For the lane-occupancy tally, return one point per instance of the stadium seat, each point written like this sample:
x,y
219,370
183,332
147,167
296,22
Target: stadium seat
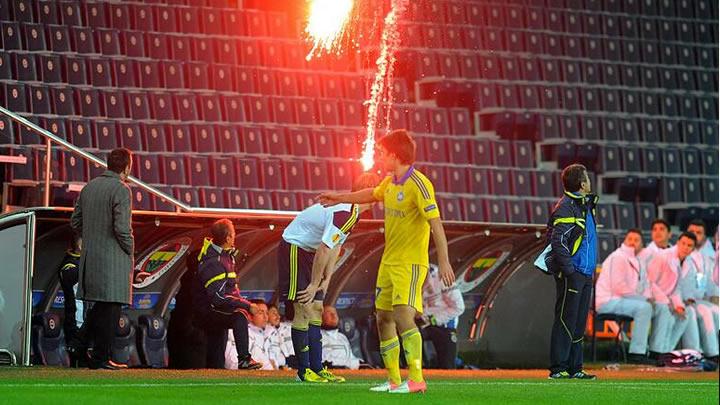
x,y
236,198
48,341
130,135
196,75
521,183
693,192
625,215
185,107
173,170
499,182
39,99
538,212
161,105
260,200
645,214
293,173
147,168
123,348
187,195
73,168
11,35
153,341
473,210
105,134
671,190
271,174
14,96
450,207
317,175
478,180
198,170
517,211
159,45
710,191
543,184
606,216
435,149
211,197
114,104
496,211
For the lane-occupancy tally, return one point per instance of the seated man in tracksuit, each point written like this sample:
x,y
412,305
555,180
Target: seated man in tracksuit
x,y
218,303
442,308
623,288
571,257
307,254
68,274
701,334
337,350
665,272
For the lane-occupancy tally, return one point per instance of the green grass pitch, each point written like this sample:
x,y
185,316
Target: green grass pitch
x,y
48,386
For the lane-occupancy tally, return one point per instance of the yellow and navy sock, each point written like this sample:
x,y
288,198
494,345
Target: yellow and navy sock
x,y
412,346
390,352
300,344
315,343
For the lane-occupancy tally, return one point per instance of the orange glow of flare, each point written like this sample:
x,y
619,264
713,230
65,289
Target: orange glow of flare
x,y
326,24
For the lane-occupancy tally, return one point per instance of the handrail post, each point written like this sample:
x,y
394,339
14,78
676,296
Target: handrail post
x,y
48,157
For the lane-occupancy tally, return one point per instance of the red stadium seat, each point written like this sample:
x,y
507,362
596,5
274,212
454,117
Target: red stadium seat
x,y
222,172
173,170
317,174
294,174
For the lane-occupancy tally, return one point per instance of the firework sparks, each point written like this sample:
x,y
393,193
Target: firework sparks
x,y
381,88
326,24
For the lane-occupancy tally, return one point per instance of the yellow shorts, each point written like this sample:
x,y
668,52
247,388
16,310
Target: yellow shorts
x,y
400,285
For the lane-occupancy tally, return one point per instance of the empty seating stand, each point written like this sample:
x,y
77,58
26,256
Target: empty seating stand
x,y
223,110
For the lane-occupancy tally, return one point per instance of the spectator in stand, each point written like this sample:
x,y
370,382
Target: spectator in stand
x,y
336,349
660,234
622,288
443,306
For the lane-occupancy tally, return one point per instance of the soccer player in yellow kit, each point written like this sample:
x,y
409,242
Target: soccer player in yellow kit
x,y
411,212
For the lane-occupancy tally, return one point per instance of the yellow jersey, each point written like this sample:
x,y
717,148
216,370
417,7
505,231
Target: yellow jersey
x,y
409,204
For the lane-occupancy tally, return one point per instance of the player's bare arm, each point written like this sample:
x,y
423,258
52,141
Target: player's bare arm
x,y
447,275
329,268
322,255
359,197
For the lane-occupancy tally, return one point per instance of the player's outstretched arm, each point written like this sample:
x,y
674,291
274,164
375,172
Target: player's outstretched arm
x,y
445,270
359,197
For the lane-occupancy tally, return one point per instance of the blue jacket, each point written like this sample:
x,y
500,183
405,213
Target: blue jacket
x,y
573,235
216,286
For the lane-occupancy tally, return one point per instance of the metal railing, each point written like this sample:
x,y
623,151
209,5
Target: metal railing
x,y
51,138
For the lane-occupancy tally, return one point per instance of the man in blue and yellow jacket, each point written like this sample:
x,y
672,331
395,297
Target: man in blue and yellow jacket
x,y
218,303
572,258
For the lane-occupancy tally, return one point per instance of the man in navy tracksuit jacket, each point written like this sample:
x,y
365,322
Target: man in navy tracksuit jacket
x,y
218,304
572,261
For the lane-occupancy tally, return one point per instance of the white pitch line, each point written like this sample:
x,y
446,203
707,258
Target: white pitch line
x,y
638,385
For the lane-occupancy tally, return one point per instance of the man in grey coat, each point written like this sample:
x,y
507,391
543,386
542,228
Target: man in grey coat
x,y
102,218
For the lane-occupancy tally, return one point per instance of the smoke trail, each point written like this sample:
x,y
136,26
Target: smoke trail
x,y
380,90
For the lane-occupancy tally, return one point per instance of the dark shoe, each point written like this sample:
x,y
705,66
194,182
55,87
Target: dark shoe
x,y
640,359
249,364
107,365
655,355
78,356
560,375
582,375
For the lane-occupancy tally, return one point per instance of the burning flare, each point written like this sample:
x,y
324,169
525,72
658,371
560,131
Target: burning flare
x,y
381,88
326,24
